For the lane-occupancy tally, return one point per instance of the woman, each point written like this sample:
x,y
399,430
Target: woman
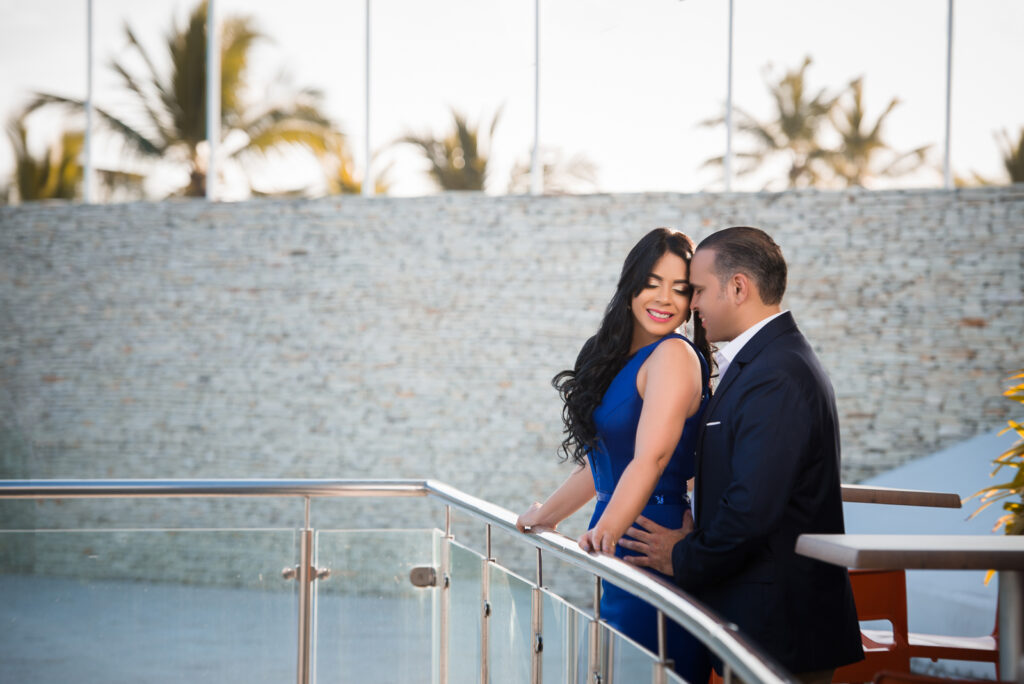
x,y
633,403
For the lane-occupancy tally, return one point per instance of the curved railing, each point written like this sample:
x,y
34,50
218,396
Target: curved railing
x,y
739,656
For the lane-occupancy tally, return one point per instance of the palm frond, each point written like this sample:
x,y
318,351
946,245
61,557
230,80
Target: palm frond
x,y
135,140
134,86
154,76
287,132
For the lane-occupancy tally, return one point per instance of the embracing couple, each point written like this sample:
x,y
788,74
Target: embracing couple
x,y
763,450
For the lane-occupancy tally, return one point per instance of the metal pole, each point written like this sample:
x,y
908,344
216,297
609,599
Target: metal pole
x,y
368,173
536,169
661,668
305,600
946,171
595,635
212,98
89,181
485,611
446,565
727,162
1011,625
537,625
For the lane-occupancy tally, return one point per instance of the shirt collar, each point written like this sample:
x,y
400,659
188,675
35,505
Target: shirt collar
x,y
731,350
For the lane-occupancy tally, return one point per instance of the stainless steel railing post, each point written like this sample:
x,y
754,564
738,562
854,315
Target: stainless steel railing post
x,y
595,635
537,625
485,610
305,603
446,580
659,671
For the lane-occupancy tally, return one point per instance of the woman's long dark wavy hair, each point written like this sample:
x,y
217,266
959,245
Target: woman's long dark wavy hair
x,y
604,354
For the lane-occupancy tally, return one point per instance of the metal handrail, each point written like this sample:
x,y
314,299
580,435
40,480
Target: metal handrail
x,y
742,657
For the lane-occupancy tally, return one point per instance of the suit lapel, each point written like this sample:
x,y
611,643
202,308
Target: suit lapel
x,y
751,349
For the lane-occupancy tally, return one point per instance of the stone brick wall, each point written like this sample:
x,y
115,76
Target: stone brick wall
x,y
352,337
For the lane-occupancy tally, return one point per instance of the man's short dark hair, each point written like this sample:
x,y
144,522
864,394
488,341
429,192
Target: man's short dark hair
x,y
751,251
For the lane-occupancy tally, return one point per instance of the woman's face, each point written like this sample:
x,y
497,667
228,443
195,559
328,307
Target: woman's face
x,y
664,303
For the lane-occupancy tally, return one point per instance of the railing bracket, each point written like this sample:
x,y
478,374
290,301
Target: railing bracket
x,y
315,573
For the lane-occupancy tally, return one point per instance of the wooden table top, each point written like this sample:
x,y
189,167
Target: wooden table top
x,y
899,497
916,552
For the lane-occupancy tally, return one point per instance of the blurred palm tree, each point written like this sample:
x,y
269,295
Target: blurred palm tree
x,y
173,125
458,161
792,133
862,146
1013,155
560,176
56,174
1013,161
340,171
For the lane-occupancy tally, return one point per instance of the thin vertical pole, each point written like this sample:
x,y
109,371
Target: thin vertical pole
x,y
595,636
537,625
212,98
947,172
368,173
661,668
727,162
536,170
485,612
305,604
89,183
446,564
1011,625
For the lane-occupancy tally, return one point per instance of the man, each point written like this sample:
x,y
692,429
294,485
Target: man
x,y
767,470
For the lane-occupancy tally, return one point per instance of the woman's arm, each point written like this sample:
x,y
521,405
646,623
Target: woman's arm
x,y
577,490
672,385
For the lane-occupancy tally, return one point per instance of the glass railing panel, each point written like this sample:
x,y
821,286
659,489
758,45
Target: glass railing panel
x,y
148,606
565,633
371,623
511,635
627,661
465,612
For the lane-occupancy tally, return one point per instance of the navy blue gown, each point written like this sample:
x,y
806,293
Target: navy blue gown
x,y
616,419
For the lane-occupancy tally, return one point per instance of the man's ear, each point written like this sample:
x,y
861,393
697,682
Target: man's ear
x,y
739,288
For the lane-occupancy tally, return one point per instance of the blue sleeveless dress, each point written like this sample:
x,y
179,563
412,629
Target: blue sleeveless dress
x,y
616,419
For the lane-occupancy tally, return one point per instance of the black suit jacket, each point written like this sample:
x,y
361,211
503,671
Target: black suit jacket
x,y
768,471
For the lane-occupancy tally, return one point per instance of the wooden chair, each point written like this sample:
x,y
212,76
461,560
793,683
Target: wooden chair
x,y
982,649
882,595
879,595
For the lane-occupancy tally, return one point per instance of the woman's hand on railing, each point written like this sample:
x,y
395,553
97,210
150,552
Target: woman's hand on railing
x,y
598,538
532,520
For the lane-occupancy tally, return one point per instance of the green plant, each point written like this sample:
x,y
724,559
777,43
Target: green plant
x,y
1013,457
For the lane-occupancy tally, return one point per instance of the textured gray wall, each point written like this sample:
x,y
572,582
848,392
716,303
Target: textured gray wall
x,y
355,337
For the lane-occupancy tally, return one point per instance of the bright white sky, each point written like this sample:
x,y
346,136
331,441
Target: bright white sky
x,y
624,83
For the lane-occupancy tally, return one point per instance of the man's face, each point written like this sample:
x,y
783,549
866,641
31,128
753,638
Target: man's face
x,y
711,301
